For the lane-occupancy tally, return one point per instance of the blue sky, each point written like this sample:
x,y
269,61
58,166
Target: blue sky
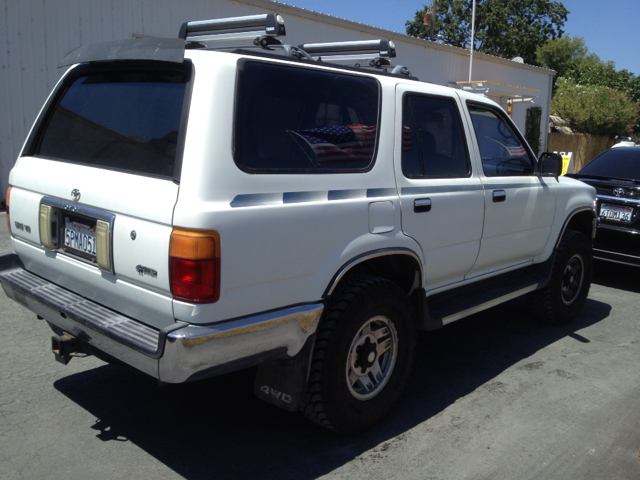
x,y
611,29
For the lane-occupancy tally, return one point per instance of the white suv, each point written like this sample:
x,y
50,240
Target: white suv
x,y
190,208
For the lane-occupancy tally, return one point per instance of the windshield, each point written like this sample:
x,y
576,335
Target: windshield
x,y
621,162
126,120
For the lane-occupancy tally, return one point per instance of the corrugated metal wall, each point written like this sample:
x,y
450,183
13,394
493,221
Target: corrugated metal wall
x,y
36,34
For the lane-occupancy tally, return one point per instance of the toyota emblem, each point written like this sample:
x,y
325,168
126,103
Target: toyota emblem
x,y
618,192
75,194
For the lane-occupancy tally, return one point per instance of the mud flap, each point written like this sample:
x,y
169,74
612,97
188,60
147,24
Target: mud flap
x,y
282,382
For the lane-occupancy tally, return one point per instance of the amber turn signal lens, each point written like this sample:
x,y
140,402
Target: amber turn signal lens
x,y
194,265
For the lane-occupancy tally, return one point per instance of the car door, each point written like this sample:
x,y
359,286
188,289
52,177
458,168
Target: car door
x,y
442,198
519,203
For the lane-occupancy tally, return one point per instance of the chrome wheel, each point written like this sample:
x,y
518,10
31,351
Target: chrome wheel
x,y
572,279
371,358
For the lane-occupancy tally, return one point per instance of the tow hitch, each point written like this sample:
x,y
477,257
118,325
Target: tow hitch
x,y
64,347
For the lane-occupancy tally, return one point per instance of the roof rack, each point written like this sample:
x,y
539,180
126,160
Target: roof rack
x,y
252,26
264,28
358,50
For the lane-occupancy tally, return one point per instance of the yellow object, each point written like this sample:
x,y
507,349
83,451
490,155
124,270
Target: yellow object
x,y
565,163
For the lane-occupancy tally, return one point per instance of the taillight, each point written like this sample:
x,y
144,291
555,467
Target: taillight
x,y
194,265
8,219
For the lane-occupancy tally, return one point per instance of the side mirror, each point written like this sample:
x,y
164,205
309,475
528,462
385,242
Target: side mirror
x,y
550,164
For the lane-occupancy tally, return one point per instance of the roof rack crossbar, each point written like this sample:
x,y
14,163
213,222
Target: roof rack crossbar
x,y
251,26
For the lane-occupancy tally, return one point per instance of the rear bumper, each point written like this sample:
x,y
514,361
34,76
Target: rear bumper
x,y
179,353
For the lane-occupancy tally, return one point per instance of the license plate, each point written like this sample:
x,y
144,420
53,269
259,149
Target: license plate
x,y
80,236
616,212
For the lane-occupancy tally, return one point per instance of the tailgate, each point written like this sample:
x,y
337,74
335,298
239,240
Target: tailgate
x,y
92,196
137,212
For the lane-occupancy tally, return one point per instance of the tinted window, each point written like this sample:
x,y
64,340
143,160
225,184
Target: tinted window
x,y
124,120
621,162
297,120
502,151
433,145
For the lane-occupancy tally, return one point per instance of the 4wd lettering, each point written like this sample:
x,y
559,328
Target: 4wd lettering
x,y
276,394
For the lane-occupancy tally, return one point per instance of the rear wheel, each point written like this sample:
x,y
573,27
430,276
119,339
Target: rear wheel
x,y
564,296
363,355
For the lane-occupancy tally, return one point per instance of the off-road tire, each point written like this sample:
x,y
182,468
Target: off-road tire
x,y
365,308
562,299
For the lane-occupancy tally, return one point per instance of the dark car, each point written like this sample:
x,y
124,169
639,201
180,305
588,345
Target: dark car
x,y
616,176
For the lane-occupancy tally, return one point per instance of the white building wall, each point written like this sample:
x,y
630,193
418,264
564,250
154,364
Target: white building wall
x,y
36,34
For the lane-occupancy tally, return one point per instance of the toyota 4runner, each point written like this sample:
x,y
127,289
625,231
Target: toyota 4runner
x,y
198,205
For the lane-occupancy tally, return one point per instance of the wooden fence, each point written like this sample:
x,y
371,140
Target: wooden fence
x,y
584,147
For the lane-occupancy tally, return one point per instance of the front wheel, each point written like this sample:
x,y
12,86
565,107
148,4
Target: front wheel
x,y
363,355
564,296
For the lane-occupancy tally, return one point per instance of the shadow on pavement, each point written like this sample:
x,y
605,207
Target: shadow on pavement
x,y
218,428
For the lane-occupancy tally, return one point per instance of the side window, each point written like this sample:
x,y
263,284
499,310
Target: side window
x,y
433,145
501,149
298,120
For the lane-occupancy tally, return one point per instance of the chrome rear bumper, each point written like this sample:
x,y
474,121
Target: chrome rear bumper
x,y
179,353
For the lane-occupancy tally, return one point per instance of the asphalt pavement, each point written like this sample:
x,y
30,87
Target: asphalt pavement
x,y
493,396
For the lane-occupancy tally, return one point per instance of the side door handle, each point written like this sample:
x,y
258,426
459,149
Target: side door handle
x,y
499,195
421,205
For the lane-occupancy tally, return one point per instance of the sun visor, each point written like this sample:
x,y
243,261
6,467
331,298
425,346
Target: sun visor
x,y
160,49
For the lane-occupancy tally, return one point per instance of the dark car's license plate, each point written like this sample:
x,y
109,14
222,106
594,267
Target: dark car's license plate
x,y
616,213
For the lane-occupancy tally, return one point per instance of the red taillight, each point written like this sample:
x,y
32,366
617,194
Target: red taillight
x,y
194,265
8,218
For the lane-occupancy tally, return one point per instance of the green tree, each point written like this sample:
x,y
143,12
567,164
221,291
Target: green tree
x,y
574,65
506,28
605,74
565,54
597,110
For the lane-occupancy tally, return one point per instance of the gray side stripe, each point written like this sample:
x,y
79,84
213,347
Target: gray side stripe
x,y
506,186
440,189
346,194
258,199
254,199
381,192
303,197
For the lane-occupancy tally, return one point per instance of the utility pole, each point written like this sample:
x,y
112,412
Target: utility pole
x,y
473,33
430,18
433,18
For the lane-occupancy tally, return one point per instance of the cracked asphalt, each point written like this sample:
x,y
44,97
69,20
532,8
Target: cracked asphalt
x,y
493,396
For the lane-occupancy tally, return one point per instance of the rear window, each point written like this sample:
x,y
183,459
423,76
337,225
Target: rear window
x,y
621,162
298,120
117,119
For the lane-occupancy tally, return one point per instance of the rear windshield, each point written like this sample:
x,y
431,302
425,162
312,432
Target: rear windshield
x,y
621,162
126,120
298,120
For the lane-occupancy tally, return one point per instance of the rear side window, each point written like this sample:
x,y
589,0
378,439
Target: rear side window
x,y
433,145
117,119
298,120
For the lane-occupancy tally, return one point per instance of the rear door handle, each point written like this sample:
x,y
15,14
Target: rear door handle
x,y
421,205
499,195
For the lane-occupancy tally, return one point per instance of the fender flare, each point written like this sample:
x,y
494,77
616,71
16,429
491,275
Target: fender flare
x,y
383,252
